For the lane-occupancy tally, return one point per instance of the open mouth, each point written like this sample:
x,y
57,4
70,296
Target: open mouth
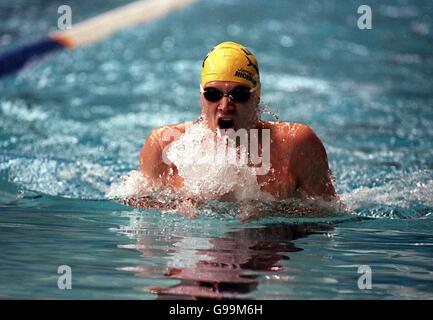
x,y
226,123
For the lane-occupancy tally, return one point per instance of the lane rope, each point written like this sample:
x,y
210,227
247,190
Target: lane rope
x,y
88,31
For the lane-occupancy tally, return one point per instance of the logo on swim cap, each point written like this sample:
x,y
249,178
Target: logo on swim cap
x,y
231,61
245,74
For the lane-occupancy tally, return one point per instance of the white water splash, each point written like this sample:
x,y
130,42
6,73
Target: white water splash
x,y
401,195
83,179
213,168
129,185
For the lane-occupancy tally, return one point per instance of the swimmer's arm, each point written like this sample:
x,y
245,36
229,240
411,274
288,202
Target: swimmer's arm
x,y
151,162
310,164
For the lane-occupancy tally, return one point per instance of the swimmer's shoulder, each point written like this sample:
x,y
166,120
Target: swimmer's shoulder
x,y
289,133
152,151
300,139
168,133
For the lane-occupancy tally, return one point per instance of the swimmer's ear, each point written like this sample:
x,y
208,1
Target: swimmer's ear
x,y
257,99
202,101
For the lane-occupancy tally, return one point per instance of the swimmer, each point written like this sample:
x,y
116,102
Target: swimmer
x,y
229,98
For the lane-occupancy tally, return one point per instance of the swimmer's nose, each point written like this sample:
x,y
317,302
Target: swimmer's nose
x,y
225,104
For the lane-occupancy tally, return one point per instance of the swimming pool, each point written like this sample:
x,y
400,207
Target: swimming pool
x,y
72,124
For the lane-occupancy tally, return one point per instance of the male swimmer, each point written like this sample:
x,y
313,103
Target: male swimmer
x,y
229,97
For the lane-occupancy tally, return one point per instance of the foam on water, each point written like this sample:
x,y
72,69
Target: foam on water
x,y
209,174
210,164
134,183
83,180
406,196
216,180
212,167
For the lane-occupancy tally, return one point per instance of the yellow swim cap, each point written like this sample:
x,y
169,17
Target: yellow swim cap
x,y
231,61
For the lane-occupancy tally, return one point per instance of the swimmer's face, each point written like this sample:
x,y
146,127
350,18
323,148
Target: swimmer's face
x,y
228,114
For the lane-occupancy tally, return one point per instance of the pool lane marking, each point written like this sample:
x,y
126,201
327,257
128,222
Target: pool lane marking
x,y
89,31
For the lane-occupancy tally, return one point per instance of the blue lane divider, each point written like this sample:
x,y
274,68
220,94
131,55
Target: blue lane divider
x,y
13,60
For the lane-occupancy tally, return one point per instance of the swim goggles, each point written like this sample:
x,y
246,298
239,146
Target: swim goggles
x,y
239,94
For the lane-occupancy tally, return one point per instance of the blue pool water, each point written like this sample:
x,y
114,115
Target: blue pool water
x,y
73,124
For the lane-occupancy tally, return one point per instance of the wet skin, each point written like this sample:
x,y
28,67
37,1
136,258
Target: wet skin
x,y
299,164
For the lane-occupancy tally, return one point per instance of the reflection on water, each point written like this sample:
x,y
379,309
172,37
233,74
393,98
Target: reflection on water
x,y
227,266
